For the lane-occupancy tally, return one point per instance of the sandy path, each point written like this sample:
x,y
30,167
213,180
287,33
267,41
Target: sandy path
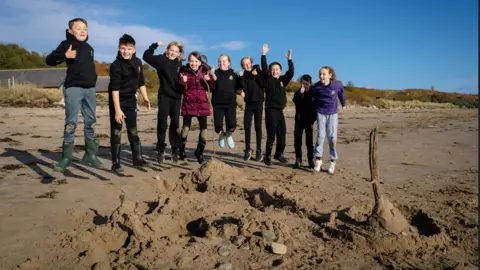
x,y
428,161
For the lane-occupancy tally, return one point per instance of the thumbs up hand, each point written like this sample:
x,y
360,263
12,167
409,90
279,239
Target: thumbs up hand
x,y
71,54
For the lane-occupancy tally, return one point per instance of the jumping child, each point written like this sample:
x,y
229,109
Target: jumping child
x,y
126,76
79,92
224,100
276,101
304,119
253,97
325,94
195,82
169,96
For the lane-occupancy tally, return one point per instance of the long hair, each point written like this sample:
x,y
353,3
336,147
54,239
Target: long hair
x,y
331,71
181,49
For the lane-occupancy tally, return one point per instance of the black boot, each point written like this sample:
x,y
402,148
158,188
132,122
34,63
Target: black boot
x,y
175,154
248,155
298,163
259,156
199,151
279,154
161,153
137,157
182,154
268,154
115,149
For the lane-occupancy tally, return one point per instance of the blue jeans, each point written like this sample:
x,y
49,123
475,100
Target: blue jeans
x,y
327,127
77,100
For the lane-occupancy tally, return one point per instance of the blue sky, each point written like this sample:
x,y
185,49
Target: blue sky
x,y
373,43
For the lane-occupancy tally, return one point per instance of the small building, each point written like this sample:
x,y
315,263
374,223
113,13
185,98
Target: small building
x,y
45,77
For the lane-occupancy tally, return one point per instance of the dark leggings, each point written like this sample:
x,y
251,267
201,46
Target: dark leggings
x,y
229,113
253,110
168,106
276,129
187,123
298,133
116,128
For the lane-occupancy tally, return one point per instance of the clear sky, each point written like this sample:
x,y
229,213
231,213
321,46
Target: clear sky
x,y
373,43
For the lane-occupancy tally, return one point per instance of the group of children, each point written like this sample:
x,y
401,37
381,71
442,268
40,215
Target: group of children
x,y
185,89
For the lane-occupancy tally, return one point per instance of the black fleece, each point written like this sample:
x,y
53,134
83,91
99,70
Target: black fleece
x,y
276,97
227,85
305,112
253,92
126,76
167,71
80,70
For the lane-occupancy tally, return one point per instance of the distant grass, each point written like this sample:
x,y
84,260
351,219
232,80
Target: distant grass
x,y
29,96
411,104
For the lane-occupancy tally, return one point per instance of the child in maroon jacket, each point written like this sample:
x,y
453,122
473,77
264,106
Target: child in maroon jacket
x,y
195,81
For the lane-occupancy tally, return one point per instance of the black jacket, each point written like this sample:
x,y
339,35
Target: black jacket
x,y
253,92
305,112
167,71
80,70
227,86
276,97
126,76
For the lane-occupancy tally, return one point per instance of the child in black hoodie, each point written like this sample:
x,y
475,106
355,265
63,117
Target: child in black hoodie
x,y
126,76
79,92
305,116
253,96
168,67
224,100
275,102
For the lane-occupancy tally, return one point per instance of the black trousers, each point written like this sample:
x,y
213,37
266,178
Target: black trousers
x,y
168,106
227,112
187,123
253,111
298,133
116,128
276,129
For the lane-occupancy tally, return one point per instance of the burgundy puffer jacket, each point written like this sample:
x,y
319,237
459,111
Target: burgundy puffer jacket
x,y
195,99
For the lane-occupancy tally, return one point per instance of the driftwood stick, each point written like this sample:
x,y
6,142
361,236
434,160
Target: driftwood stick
x,y
374,171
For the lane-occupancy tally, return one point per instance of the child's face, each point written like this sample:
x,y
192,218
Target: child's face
x,y
276,71
79,30
247,64
223,62
306,85
194,63
173,52
325,76
127,51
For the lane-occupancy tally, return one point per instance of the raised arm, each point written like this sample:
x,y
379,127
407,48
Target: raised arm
x,y
58,56
264,74
290,72
156,61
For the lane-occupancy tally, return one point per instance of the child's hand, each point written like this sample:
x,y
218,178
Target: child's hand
x,y
254,72
289,54
344,108
70,54
302,90
242,94
119,116
146,103
265,49
184,77
160,43
206,77
212,70
240,73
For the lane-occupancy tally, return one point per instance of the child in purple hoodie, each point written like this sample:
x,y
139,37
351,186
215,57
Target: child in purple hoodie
x,y
325,95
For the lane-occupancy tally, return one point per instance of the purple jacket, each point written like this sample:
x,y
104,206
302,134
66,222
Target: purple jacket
x,y
325,97
195,99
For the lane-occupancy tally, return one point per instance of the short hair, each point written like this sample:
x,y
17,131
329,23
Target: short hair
x,y
72,21
126,39
306,77
246,57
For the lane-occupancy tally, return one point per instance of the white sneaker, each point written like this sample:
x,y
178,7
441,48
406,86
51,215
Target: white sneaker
x,y
331,169
318,165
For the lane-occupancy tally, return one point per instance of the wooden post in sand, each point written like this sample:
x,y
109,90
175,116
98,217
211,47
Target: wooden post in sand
x,y
374,171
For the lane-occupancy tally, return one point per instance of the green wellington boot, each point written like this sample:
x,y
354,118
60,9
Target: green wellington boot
x,y
66,159
90,158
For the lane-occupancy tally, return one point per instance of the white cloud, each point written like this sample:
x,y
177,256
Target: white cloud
x,y
33,22
231,46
